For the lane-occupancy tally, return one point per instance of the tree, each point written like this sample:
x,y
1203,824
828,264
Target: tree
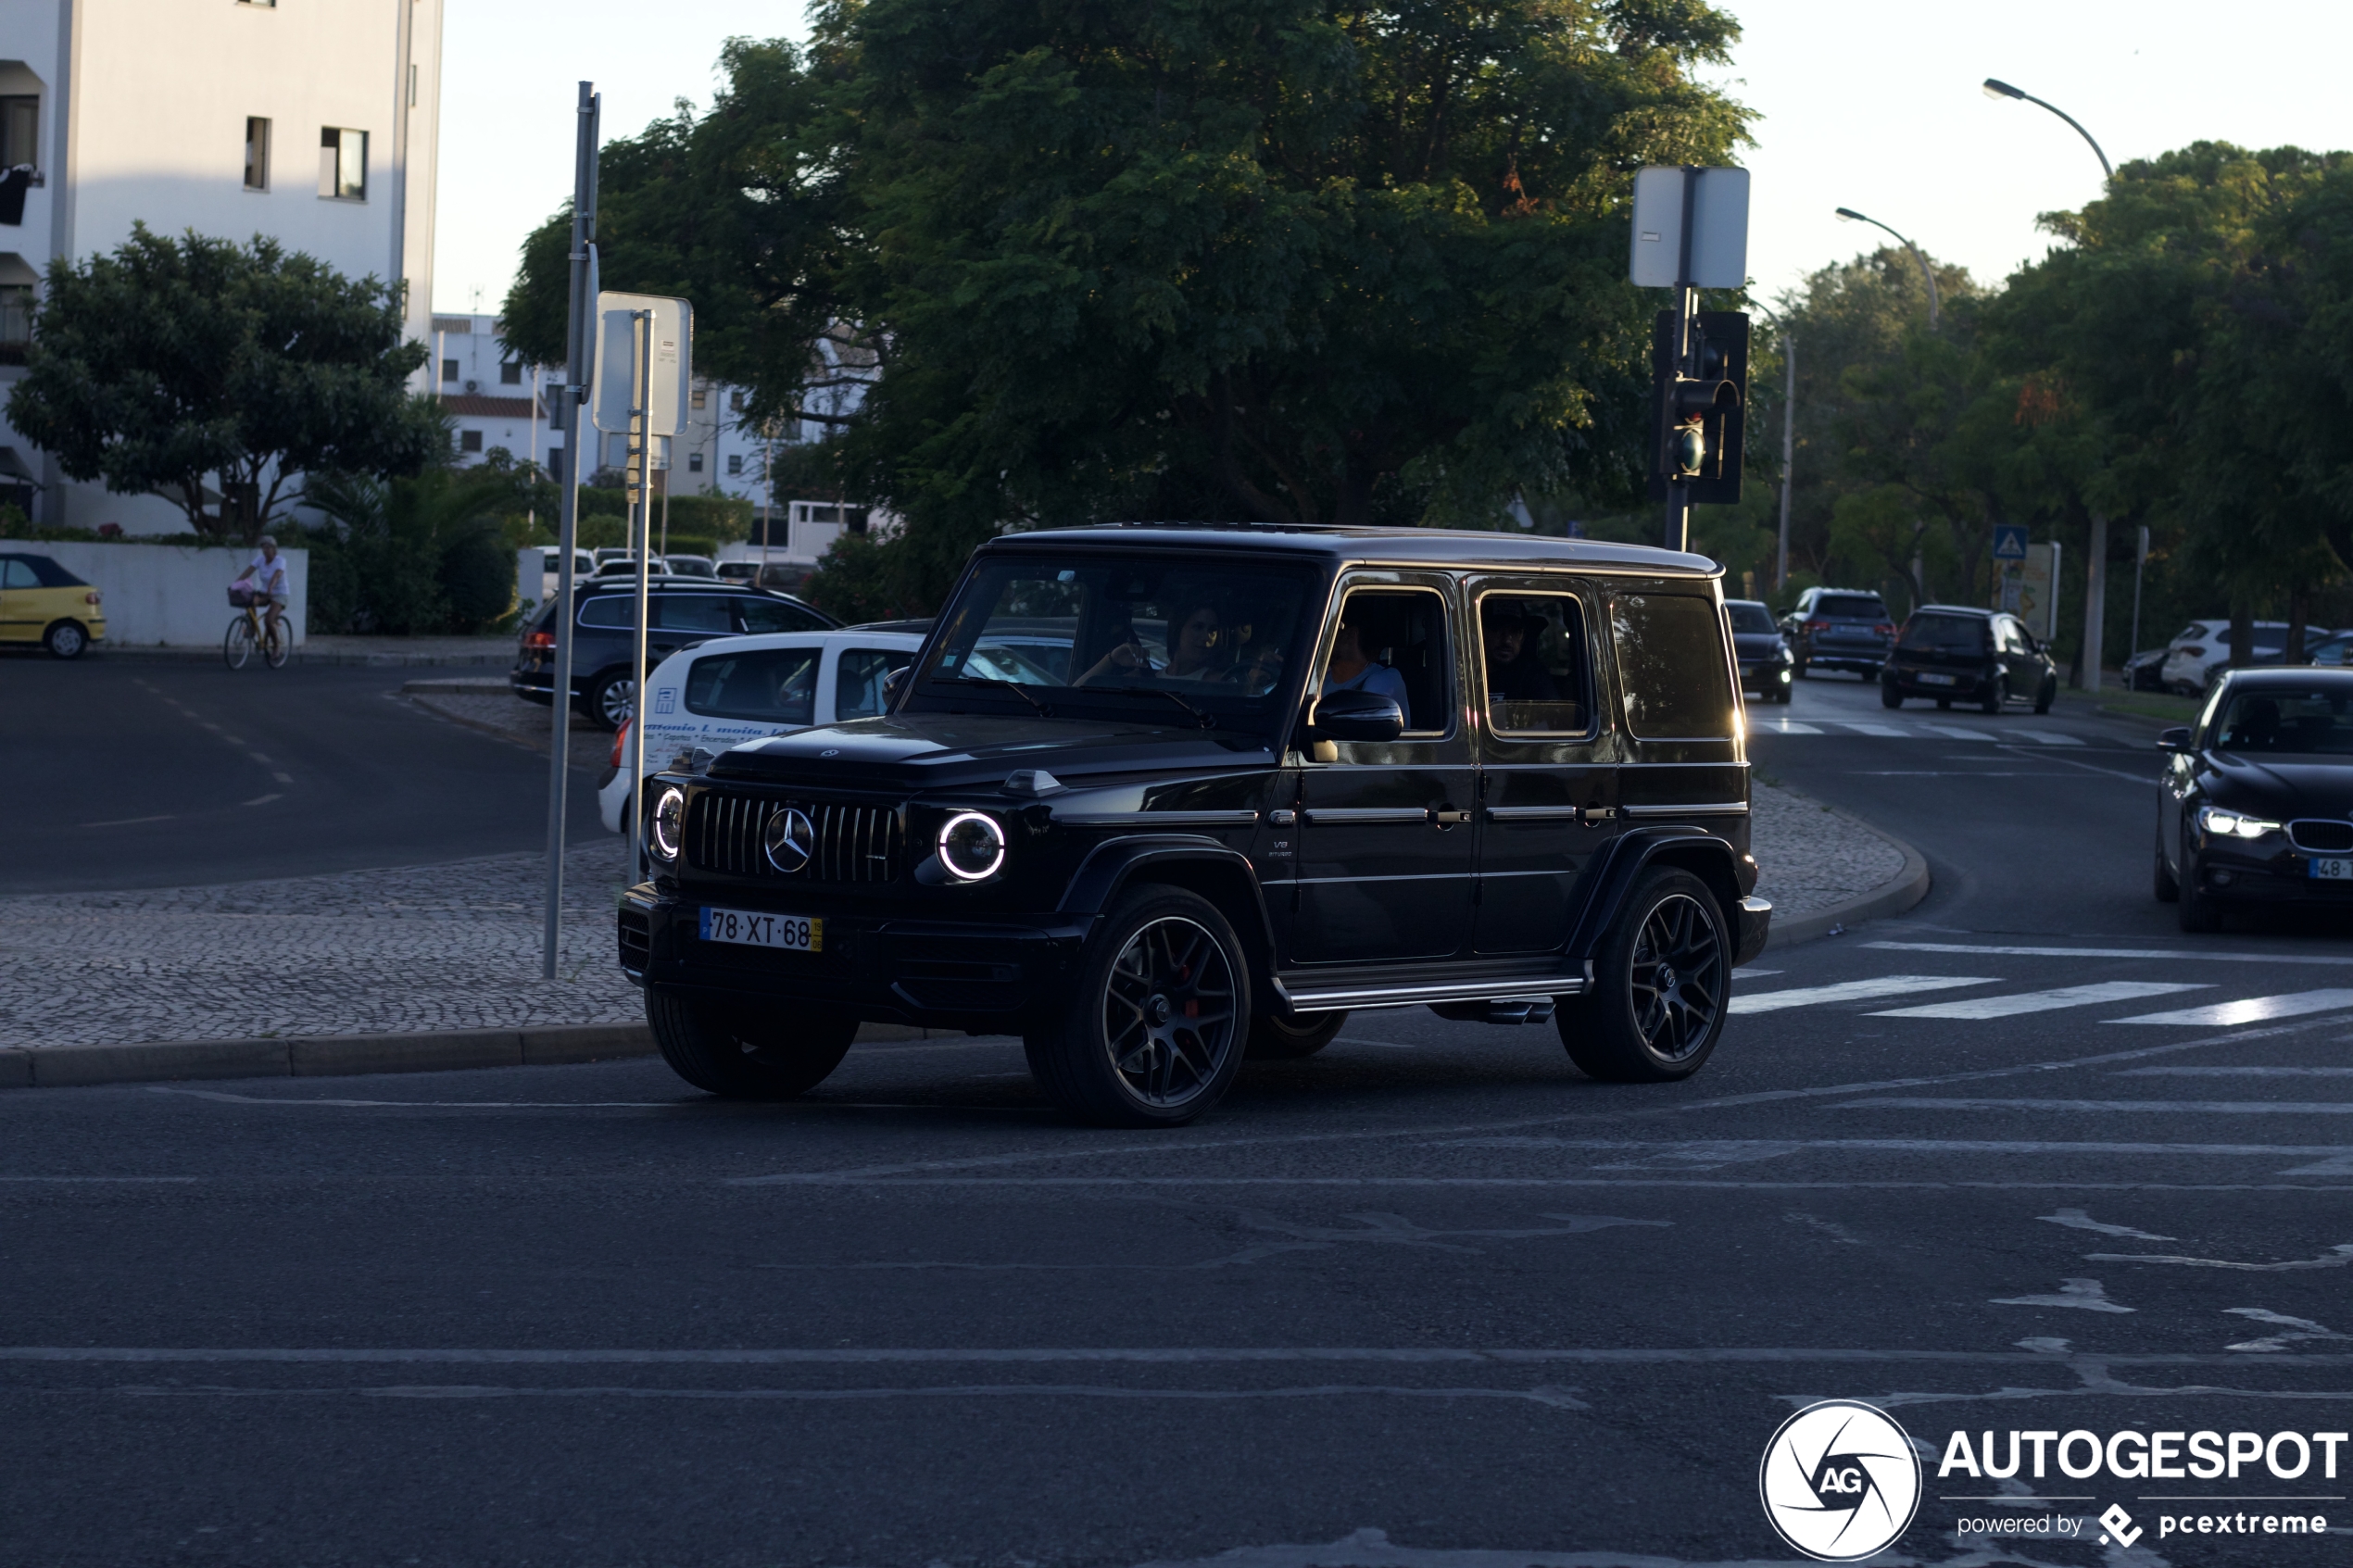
x,y
171,360
412,555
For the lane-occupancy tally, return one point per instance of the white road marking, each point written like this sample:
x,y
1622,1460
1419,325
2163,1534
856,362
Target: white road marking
x,y
1952,733
2252,1010
282,778
130,1179
260,758
1980,950
2308,1330
2075,1219
2195,1107
2047,737
2083,1294
261,801
128,822
2236,1073
1557,1398
1886,732
2045,1002
2335,1257
1753,974
1855,991
1730,1149
1781,727
433,1104
1385,1045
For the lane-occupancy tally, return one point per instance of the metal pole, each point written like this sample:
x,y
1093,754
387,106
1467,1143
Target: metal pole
x,y
2140,560
1679,495
577,340
1850,216
1996,88
641,419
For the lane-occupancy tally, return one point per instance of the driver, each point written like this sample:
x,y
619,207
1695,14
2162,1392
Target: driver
x,y
1352,670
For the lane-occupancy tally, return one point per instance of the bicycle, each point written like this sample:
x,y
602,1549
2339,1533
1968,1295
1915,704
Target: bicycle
x,y
248,631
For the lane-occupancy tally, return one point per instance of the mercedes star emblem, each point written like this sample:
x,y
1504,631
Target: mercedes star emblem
x,y
790,840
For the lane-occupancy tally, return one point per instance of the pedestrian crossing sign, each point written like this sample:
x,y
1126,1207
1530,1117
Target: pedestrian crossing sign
x,y
2009,542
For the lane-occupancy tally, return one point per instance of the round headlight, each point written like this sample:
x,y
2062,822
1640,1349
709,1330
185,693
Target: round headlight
x,y
665,824
971,846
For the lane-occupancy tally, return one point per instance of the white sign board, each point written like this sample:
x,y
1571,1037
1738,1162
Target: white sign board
x,y
616,382
1719,228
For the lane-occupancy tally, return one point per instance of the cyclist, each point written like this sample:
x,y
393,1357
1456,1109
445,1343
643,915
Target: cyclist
x,y
267,576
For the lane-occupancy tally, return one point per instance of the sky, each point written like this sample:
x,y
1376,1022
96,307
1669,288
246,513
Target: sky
x,y
1861,104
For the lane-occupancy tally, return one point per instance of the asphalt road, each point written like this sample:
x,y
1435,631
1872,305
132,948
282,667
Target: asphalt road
x,y
1428,1300
128,772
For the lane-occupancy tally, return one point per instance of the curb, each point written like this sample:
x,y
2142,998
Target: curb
x,y
367,660
328,1056
1907,888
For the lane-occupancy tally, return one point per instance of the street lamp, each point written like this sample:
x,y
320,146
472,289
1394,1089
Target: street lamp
x,y
1789,443
1997,89
1848,214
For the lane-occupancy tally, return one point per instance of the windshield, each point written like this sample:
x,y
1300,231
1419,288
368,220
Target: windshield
x,y
1944,633
2283,719
1748,616
1094,636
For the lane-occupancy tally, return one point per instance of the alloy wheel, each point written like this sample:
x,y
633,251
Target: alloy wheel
x,y
1677,978
1168,1013
619,699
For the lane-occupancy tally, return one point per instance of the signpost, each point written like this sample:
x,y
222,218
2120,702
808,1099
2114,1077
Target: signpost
x,y
1690,233
644,360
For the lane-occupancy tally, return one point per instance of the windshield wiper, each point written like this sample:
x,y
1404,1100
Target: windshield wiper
x,y
1202,720
1014,686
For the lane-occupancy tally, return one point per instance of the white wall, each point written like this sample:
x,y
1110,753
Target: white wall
x,y
166,594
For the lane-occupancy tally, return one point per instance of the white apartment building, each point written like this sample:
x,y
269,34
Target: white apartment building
x,y
312,122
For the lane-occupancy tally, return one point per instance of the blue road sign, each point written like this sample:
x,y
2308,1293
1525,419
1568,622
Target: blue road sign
x,y
2009,542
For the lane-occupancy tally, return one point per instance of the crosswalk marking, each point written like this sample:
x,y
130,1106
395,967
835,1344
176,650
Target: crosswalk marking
x,y
2187,1107
2048,737
1855,991
2045,1002
1951,733
1983,950
1782,727
2253,1009
1888,731
1778,724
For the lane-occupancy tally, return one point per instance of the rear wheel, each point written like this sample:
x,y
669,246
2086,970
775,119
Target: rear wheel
x,y
274,646
236,646
65,640
1997,696
1780,691
1275,1037
743,1053
1661,984
1889,696
612,699
1154,1029
2048,694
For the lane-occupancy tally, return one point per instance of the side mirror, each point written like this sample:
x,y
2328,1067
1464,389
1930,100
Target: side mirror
x,y
1360,716
892,684
2176,739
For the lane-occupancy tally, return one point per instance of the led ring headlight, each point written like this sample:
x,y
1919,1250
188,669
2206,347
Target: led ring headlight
x,y
665,821
971,846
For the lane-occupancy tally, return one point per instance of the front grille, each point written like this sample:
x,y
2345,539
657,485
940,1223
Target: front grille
x,y
726,833
2321,835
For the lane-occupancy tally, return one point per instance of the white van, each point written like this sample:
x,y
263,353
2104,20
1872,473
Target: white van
x,y
730,690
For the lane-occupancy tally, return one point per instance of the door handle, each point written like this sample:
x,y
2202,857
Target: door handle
x,y
1446,816
1592,816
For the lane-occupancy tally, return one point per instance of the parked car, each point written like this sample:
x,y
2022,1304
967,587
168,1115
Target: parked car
x,y
2251,808
688,566
43,604
736,571
1765,660
684,613
1498,774
2204,647
1839,629
2331,652
1955,654
623,563
2144,672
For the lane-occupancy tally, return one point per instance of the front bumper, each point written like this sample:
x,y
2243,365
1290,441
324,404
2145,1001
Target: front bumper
x,y
940,975
1756,928
1766,674
2267,870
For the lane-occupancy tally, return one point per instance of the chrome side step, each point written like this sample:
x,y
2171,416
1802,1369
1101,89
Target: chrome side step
x,y
1303,994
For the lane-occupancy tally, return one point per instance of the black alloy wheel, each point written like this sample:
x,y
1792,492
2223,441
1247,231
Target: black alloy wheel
x,y
2193,905
1662,984
747,1053
1279,1038
2167,889
611,700
1996,697
1155,1029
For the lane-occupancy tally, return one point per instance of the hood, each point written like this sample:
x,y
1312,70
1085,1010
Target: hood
x,y
1756,644
2280,787
908,753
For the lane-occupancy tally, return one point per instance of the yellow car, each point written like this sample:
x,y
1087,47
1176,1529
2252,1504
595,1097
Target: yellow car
x,y
42,602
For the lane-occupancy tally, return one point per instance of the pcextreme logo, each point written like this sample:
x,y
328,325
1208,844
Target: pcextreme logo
x,y
1839,1480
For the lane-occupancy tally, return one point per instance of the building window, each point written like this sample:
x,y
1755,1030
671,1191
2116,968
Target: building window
x,y
698,397
470,441
16,322
734,462
693,462
343,164
256,153
20,131
736,402
510,372
449,370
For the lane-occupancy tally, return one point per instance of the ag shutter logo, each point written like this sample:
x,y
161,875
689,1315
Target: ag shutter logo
x,y
1840,1481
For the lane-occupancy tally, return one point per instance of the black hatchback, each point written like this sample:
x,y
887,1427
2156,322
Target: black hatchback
x,y
1953,654
1839,629
685,611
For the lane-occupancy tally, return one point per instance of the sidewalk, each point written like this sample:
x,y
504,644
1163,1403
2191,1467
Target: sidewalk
x,y
497,649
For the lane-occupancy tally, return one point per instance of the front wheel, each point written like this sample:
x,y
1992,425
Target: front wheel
x,y
1277,1038
1661,985
2193,905
65,640
1889,697
2168,890
236,646
743,1053
1155,1026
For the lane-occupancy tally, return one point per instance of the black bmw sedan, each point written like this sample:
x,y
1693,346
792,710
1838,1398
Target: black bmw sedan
x,y
2256,808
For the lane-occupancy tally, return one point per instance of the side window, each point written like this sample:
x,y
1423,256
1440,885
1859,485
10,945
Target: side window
x,y
1533,654
776,615
858,683
1670,662
609,609
776,684
692,612
17,574
1393,641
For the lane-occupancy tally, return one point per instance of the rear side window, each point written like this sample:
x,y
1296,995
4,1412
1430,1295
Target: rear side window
x,y
15,573
1943,633
1670,662
692,612
1850,607
46,573
609,609
858,681
778,685
1532,648
778,615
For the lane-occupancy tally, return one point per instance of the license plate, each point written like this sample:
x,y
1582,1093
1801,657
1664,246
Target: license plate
x,y
794,933
1939,679
2333,868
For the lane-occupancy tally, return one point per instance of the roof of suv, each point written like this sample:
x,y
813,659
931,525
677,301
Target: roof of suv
x,y
1433,546
1969,610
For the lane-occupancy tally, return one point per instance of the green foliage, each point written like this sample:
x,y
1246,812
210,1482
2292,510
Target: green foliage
x,y
412,555
168,361
860,578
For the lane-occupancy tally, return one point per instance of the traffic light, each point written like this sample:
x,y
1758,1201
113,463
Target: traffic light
x,y
1696,405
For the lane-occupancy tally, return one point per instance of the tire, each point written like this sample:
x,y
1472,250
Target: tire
x,y
2193,905
746,1054
1154,1027
236,646
275,645
1997,697
2167,890
1889,697
610,700
1630,1029
1799,669
2048,694
1781,692
65,640
1275,1039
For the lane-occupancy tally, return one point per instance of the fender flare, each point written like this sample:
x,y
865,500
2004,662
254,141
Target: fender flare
x,y
1634,852
1110,866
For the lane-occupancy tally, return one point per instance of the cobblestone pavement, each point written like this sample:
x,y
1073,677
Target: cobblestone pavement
x,y
456,945
487,705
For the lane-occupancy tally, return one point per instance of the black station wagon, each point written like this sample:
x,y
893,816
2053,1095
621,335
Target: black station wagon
x,y
1157,798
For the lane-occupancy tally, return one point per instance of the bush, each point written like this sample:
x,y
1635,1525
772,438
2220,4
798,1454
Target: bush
x,y
411,557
